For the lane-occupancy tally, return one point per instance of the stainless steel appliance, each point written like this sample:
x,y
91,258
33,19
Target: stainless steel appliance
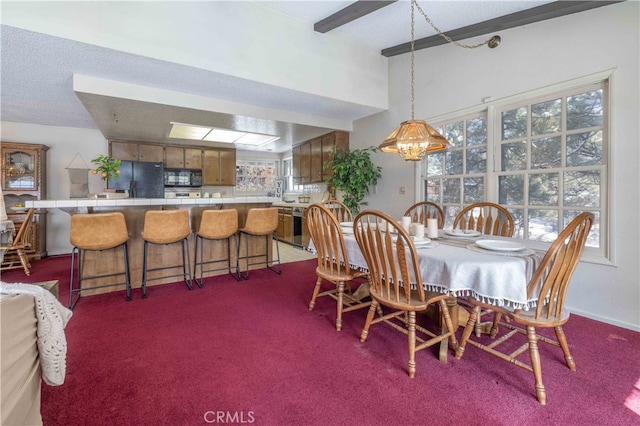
x,y
297,213
141,179
185,178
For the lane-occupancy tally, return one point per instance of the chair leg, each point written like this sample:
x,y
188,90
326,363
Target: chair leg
x,y
127,276
143,288
339,305
269,239
195,261
411,329
372,311
73,268
468,329
186,271
448,322
535,364
24,260
562,340
316,290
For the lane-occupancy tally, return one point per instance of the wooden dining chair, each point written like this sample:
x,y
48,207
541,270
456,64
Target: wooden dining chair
x,y
15,252
339,210
333,262
396,283
487,218
548,286
420,212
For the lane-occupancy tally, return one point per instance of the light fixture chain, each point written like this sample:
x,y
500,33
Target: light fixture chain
x,y
443,35
412,60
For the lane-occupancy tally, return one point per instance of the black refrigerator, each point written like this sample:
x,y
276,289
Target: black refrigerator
x,y
141,179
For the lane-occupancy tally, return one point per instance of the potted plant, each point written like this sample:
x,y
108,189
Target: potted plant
x,y
353,172
108,167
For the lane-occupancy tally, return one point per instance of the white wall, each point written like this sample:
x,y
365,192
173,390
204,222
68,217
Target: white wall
x,y
449,78
64,143
222,36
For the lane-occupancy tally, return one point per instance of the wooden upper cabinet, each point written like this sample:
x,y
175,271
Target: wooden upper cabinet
x,y
305,163
228,167
125,151
296,164
177,157
219,167
316,160
309,157
174,157
193,158
134,151
150,153
337,140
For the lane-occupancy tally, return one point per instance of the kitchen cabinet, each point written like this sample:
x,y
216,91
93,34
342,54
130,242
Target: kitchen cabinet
x,y
310,156
285,224
315,148
135,151
177,157
219,167
24,177
335,140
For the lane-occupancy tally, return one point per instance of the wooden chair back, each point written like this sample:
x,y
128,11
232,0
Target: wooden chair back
x,y
551,279
328,240
22,236
487,218
15,256
424,210
394,269
339,210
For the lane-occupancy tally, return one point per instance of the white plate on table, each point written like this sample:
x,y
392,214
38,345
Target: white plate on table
x,y
19,209
346,224
500,245
421,242
462,233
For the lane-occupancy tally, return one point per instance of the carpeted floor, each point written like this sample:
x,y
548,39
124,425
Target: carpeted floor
x,y
252,353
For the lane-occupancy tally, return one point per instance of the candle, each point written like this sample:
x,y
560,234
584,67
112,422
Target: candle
x,y
406,223
432,228
419,231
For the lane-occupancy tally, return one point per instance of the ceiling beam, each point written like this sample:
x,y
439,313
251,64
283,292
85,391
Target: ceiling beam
x,y
350,13
524,17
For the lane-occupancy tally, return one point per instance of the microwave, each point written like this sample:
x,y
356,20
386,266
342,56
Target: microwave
x,y
182,177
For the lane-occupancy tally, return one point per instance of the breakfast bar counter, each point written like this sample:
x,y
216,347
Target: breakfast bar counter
x,y
134,210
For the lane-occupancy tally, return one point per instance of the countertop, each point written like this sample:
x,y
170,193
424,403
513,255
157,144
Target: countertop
x,y
123,202
283,204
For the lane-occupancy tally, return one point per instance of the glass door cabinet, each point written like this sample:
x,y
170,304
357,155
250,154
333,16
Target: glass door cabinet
x,y
24,179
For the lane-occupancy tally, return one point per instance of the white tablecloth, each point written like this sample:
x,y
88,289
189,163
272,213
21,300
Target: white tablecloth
x,y
450,267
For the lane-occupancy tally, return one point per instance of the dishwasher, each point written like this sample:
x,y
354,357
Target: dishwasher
x,y
298,213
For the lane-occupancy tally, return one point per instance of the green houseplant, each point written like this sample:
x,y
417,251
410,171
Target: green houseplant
x,y
353,172
108,167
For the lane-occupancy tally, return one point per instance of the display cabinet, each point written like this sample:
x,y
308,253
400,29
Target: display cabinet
x,y
24,179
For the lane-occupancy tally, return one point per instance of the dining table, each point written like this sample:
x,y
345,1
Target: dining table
x,y
462,264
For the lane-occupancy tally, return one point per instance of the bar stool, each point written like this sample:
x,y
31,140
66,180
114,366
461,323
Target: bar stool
x,y
164,227
261,222
97,232
216,225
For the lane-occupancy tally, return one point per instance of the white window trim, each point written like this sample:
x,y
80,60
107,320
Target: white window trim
x,y
490,106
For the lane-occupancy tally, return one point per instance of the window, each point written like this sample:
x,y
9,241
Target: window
x,y
545,159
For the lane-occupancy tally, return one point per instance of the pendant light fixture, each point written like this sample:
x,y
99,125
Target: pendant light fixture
x,y
413,139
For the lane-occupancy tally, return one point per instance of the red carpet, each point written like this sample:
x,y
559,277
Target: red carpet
x,y
252,353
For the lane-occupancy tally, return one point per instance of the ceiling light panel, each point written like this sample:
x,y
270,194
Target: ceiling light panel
x,y
225,136
255,139
188,131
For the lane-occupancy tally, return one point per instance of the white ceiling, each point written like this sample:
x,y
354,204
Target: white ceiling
x,y
37,76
